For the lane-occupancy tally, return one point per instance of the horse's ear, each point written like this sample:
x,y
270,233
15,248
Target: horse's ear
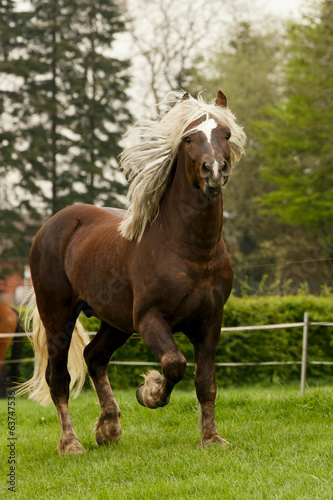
x,y
221,100
185,96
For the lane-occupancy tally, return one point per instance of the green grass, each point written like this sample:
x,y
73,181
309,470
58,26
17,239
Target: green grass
x,y
281,448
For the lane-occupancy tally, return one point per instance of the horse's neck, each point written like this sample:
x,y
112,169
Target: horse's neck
x,y
189,215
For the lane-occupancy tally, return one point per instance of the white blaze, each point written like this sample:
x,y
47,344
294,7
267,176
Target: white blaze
x,y
206,127
216,168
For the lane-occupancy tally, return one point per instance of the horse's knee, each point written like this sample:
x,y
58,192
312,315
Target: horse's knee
x,y
173,366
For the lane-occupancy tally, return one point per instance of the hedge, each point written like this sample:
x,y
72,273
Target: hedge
x,y
254,346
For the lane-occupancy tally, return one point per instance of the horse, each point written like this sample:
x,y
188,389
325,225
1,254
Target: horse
x,y
158,268
9,323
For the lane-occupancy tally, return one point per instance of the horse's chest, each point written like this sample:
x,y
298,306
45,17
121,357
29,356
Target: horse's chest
x,y
201,293
181,289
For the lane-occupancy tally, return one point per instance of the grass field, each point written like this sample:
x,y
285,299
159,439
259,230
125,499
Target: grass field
x,y
281,448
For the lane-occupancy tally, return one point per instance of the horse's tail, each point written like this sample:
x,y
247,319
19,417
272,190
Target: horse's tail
x,y
37,387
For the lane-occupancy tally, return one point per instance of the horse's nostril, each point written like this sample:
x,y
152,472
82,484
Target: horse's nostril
x,y
226,170
205,170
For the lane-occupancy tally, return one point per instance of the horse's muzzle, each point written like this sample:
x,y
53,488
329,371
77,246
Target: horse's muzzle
x,y
212,192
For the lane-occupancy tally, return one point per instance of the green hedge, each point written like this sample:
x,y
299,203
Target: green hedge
x,y
254,346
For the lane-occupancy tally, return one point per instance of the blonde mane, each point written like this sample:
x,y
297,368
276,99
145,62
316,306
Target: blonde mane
x,y
147,165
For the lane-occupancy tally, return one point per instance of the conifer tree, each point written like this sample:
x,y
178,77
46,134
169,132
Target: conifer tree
x,y
98,97
67,113
16,229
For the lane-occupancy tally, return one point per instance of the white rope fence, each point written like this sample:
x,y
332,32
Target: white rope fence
x,y
304,324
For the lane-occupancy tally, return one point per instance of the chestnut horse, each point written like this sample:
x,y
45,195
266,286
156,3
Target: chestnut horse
x,y
9,323
161,267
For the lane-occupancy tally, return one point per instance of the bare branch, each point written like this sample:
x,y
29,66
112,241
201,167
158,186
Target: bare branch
x,y
168,35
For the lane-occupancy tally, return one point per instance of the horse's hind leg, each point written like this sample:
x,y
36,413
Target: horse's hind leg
x,y
59,325
97,355
156,390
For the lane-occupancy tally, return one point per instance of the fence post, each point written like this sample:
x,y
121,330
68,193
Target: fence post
x,y
304,351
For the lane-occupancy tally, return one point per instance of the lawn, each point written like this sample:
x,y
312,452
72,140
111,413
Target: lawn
x,y
280,448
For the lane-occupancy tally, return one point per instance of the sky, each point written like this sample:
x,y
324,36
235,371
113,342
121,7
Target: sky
x,y
283,8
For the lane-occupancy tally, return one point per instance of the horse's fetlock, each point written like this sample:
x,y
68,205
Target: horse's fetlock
x,y
174,366
111,415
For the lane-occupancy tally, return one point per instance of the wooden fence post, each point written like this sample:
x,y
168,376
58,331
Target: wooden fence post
x,y
304,351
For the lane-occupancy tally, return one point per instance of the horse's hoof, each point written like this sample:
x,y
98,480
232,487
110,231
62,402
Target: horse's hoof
x,y
145,398
107,434
215,440
139,396
70,447
150,393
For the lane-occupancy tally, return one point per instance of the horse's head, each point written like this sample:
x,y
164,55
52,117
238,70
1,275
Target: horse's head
x,y
191,132
207,152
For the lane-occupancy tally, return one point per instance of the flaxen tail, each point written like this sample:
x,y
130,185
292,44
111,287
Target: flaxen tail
x,y
37,387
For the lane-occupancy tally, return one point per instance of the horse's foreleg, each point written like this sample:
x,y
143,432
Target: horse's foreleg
x,y
97,355
155,391
205,385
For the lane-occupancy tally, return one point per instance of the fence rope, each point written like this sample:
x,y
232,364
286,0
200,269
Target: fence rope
x,y
156,363
288,263
224,329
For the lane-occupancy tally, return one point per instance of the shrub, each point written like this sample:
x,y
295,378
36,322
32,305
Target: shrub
x,y
255,346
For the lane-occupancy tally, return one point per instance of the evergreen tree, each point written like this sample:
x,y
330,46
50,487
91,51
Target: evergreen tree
x,y
66,115
16,229
98,97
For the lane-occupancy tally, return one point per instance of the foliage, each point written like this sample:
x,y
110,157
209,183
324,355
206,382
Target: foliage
x,y
98,96
245,69
255,346
256,56
62,113
297,153
280,448
287,119
275,345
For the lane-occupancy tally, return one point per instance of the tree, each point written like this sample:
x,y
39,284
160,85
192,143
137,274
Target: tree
x,y
249,71
98,97
296,140
245,70
61,127
168,38
16,229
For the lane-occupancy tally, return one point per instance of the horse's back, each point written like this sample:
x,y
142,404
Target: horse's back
x,y
80,255
64,224
78,230
87,213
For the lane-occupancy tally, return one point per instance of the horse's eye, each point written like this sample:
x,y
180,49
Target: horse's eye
x,y
228,136
187,140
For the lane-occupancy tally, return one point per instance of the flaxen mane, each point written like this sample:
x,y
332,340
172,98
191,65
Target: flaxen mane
x,y
147,165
